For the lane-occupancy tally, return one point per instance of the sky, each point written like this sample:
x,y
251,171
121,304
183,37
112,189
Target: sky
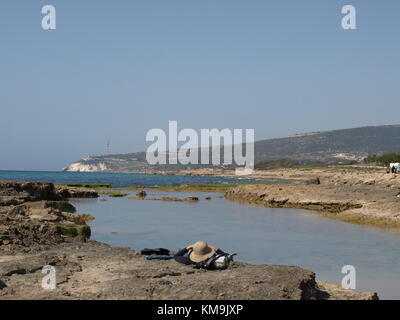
x,y
112,70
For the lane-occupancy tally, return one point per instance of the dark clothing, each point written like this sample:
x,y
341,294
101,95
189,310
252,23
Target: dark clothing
x,y
158,251
182,256
160,257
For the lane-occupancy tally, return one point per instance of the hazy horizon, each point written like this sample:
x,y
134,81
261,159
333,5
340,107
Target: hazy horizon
x,y
114,70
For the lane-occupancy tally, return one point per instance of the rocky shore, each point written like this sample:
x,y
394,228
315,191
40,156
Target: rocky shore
x,y
357,194
33,213
361,197
39,227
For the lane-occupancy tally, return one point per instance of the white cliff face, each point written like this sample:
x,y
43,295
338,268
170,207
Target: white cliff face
x,y
82,167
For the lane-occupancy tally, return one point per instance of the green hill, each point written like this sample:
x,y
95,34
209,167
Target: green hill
x,y
327,146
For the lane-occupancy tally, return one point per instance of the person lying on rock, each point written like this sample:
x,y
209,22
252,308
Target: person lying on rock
x,y
197,253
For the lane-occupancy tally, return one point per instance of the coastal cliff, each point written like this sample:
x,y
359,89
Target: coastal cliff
x,y
83,167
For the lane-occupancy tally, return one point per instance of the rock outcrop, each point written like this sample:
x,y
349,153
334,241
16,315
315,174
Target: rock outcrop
x,y
349,197
35,213
288,196
15,192
73,192
141,193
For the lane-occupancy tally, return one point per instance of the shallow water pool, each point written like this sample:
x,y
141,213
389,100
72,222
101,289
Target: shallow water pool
x,y
257,234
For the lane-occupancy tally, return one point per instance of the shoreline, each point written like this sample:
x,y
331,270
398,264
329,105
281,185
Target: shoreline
x,y
89,269
364,198
363,195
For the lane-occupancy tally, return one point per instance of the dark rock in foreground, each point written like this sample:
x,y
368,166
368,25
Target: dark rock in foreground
x,y
15,192
36,213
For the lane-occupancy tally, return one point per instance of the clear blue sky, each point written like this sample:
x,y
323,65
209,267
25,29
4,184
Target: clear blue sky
x,y
115,69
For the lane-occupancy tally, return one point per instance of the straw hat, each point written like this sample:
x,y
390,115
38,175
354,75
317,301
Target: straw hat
x,y
201,251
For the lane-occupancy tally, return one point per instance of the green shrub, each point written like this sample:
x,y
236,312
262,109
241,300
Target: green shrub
x,y
384,159
73,230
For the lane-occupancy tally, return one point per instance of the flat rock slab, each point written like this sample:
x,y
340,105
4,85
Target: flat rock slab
x,y
93,270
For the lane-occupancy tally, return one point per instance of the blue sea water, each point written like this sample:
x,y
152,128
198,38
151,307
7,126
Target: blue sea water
x,y
115,179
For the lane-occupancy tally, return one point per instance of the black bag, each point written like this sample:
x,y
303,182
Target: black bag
x,y
158,251
216,262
